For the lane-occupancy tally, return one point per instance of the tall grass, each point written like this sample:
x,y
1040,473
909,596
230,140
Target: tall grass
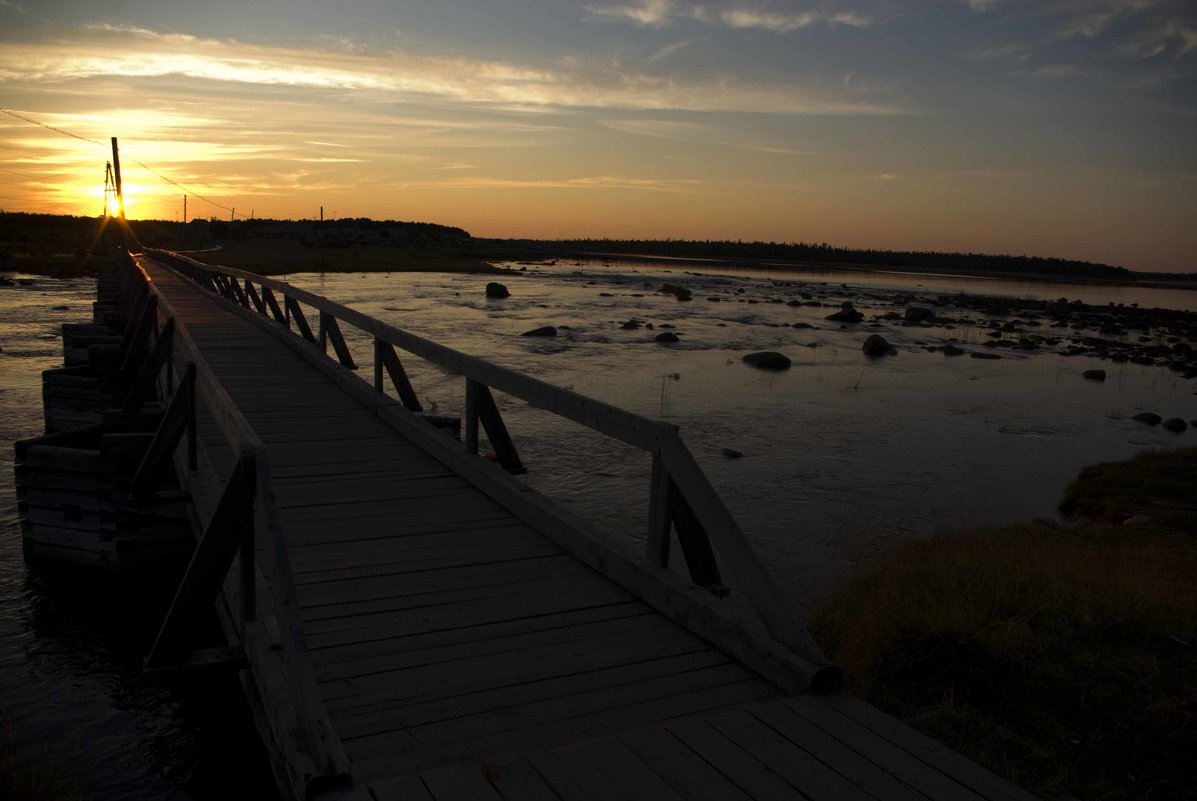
x,y
1062,658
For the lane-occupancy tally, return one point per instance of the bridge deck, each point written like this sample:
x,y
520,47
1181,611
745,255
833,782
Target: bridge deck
x,y
460,653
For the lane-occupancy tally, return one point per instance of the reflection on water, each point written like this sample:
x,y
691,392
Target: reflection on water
x,y
843,457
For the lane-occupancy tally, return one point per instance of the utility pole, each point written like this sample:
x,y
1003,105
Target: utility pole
x,y
116,169
184,208
232,213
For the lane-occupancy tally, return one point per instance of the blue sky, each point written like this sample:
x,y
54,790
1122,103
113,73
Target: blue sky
x,y
1063,127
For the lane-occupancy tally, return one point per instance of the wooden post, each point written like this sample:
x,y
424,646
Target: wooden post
x,y
253,296
331,331
301,322
385,356
247,475
696,546
660,520
192,445
496,431
471,416
281,318
144,385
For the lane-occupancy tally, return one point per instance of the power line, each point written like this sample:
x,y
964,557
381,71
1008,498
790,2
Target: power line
x,y
50,127
141,164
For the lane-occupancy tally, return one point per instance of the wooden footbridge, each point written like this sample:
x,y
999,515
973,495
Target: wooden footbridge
x,y
415,623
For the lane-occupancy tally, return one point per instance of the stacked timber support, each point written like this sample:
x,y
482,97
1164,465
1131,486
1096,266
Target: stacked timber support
x,y
101,415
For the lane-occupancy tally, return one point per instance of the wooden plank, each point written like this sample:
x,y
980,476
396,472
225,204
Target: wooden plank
x,y
458,783
399,788
363,704
907,768
740,767
449,616
475,639
642,703
331,608
609,758
933,753
400,657
803,771
468,577
683,769
516,779
568,783
863,772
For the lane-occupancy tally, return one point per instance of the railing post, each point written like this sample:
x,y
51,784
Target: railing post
x,y
247,469
660,520
192,445
471,416
378,357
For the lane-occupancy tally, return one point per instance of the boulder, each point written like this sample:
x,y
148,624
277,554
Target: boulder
x,y
543,331
920,314
497,290
1150,418
732,453
679,292
952,350
767,360
876,346
1175,424
983,355
630,325
1095,375
846,314
667,336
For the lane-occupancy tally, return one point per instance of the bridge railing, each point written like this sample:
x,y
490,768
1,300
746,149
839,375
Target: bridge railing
x,y
243,524
681,499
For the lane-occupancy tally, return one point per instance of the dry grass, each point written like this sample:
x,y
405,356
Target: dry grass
x,y
1062,658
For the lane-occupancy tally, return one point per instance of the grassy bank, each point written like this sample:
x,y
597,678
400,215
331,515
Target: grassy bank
x,y
1062,658
282,256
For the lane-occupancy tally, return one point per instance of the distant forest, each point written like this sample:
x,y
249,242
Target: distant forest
x,y
802,252
47,233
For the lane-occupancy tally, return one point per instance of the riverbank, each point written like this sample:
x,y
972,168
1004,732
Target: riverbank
x,y
1061,657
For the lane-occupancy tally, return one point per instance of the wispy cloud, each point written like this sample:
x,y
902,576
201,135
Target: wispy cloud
x,y
588,182
659,13
696,132
12,6
571,84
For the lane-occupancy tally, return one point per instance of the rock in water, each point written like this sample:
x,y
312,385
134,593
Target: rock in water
x,y
543,331
876,345
679,292
497,290
952,350
920,314
667,336
767,360
1095,375
846,314
732,453
1150,418
1175,424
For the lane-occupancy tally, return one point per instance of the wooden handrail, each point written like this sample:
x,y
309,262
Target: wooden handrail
x,y
322,742
673,464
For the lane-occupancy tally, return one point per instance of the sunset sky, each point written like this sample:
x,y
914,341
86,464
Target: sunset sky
x,y
1055,127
